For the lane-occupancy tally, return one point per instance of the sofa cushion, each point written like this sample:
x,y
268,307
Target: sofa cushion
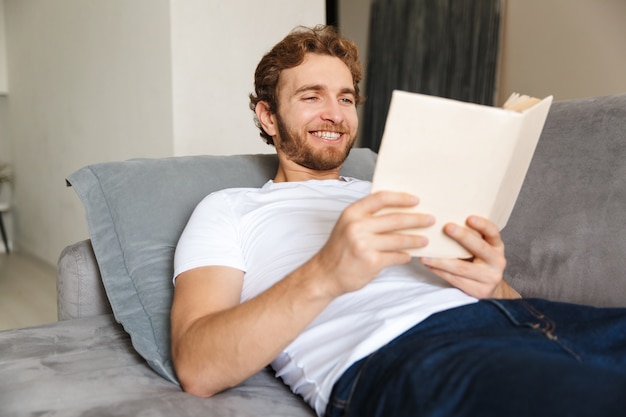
x,y
87,367
137,209
566,239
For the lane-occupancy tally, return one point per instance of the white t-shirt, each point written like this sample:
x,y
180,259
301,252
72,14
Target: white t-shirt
x,y
269,232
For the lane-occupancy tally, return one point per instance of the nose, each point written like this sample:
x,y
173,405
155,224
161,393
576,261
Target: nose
x,y
332,112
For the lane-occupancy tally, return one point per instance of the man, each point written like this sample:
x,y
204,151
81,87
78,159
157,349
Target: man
x,y
304,274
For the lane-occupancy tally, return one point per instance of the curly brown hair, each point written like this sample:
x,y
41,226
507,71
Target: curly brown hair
x,y
290,52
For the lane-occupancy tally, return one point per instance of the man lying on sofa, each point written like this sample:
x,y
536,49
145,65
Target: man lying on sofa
x,y
303,274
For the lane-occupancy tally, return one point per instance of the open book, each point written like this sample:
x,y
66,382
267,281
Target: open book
x,y
459,158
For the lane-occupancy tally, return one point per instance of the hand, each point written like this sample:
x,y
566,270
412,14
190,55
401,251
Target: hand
x,y
363,241
481,276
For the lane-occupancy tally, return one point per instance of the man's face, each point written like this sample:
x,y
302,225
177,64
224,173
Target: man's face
x,y
316,119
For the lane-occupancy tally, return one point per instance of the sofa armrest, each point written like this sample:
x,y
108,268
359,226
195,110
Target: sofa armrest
x,y
80,292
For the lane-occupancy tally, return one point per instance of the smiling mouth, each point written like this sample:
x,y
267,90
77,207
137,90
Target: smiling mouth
x,y
327,135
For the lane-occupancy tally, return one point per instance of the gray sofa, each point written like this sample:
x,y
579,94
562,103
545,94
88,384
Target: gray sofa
x,y
109,353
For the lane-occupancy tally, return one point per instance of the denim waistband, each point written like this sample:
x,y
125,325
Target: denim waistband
x,y
485,314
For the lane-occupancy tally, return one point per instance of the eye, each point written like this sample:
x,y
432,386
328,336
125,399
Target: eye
x,y
346,100
310,99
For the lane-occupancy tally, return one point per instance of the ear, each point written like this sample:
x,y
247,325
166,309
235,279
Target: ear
x,y
266,118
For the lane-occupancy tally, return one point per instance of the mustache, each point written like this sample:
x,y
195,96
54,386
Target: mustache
x,y
340,128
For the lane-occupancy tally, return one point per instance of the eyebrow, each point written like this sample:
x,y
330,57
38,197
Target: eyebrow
x,y
320,87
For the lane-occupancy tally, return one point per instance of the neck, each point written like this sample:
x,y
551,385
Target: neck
x,y
290,172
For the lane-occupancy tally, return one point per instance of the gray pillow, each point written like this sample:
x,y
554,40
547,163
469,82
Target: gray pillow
x,y
566,239
137,209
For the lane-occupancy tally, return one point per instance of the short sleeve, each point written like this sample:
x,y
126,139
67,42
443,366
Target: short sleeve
x,y
210,237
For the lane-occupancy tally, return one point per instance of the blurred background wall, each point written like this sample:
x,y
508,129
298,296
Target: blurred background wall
x,y
86,82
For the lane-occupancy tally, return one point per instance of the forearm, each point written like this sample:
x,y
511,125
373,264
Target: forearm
x,y
220,350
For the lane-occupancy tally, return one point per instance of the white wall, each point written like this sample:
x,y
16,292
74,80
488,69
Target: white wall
x,y
94,81
213,68
3,61
567,48
5,156
89,83
5,145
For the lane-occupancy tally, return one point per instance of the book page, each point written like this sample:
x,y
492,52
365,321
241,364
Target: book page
x,y
518,102
455,156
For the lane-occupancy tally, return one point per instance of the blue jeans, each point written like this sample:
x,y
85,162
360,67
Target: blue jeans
x,y
503,358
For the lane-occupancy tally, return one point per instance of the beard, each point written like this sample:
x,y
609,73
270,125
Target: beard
x,y
294,145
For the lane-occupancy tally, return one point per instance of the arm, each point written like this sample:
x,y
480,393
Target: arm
x,y
482,277
218,342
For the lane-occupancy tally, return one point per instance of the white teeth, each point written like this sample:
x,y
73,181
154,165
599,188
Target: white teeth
x,y
327,135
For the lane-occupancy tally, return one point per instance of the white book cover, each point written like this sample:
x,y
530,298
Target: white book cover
x,y
458,158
